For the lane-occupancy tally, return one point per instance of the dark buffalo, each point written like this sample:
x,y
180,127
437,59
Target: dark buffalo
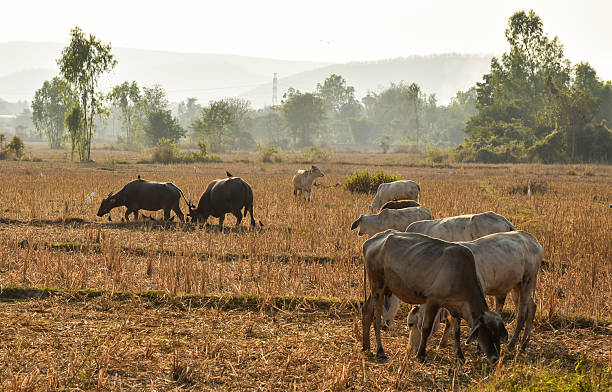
x,y
228,195
145,195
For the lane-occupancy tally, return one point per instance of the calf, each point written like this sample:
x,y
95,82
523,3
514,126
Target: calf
x,y
303,180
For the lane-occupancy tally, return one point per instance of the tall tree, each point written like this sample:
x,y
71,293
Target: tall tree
x,y
82,64
157,120
341,106
126,96
214,125
303,113
49,107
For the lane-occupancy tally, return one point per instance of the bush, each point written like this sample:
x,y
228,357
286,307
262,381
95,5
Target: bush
x,y
436,155
14,148
315,154
363,182
167,152
269,154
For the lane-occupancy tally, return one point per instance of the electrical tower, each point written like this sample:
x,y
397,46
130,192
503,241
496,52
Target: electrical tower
x,y
274,90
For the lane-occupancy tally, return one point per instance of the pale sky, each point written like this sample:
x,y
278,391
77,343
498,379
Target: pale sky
x,y
329,30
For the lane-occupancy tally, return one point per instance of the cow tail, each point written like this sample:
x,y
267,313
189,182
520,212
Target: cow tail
x,y
419,193
184,198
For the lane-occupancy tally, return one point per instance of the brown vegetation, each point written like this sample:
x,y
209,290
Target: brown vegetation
x,y
50,237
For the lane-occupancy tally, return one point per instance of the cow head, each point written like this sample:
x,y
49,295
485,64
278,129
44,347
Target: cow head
x,y
316,171
357,224
199,214
491,332
108,204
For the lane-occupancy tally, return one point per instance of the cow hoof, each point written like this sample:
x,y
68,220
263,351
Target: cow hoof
x,y
381,356
365,348
421,358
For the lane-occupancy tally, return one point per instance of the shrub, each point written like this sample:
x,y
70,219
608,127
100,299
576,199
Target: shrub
x,y
315,154
166,152
384,144
14,148
363,182
436,155
269,154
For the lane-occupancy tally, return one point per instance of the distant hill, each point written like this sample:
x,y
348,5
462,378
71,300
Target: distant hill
x,y
443,74
25,65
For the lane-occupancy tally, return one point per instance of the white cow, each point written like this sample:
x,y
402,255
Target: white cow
x,y
396,190
390,219
455,228
303,180
505,262
463,227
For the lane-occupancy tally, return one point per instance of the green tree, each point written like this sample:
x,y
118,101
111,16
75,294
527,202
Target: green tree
x,y
74,125
82,64
126,96
187,111
49,110
304,114
214,124
160,124
340,105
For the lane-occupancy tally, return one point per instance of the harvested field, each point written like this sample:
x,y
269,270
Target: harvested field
x,y
50,237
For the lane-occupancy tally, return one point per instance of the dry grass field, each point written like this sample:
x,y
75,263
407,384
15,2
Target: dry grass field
x,y
276,308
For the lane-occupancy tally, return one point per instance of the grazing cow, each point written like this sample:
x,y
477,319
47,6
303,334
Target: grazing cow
x,y
453,229
390,219
397,204
424,270
303,180
396,190
145,195
228,195
505,262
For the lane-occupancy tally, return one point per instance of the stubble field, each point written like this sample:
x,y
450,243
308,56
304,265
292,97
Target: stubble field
x,y
89,304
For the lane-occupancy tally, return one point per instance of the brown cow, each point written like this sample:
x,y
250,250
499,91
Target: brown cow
x,y
423,270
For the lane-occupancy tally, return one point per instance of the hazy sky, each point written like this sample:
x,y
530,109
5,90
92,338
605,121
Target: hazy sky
x,y
329,30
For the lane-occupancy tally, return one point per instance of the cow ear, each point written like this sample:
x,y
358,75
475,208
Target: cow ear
x,y
356,223
474,332
313,167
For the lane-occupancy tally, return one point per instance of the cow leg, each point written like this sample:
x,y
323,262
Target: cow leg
x,y
127,214
500,300
166,213
250,210
448,326
135,215
367,313
310,195
378,305
430,314
531,310
458,352
238,215
521,314
179,213
221,219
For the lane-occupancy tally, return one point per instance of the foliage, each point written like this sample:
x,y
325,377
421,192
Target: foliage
x,y
315,154
533,106
384,144
269,154
364,182
126,96
15,148
167,152
74,124
340,107
49,108
82,64
303,113
160,124
225,123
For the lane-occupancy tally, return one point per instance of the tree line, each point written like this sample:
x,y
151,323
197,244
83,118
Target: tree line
x,y
533,105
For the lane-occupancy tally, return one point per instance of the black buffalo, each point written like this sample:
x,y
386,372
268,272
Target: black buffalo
x,y
221,197
145,195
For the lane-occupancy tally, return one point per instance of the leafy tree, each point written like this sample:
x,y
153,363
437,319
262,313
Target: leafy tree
x,y
187,111
214,124
49,110
74,125
126,96
16,146
341,106
82,64
160,124
303,113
